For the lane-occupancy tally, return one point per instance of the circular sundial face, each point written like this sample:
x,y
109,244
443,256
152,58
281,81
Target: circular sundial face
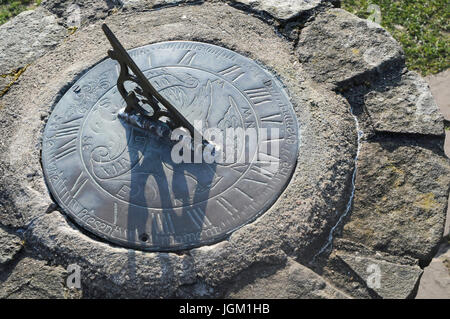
x,y
121,182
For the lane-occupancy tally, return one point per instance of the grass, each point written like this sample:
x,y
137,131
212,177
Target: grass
x,y
11,8
421,26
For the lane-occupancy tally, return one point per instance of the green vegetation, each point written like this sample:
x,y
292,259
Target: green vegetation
x,y
11,8
421,26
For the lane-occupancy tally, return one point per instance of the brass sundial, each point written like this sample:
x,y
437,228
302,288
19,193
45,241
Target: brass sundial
x,y
108,145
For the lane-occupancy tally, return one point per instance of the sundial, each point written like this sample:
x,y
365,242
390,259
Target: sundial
x,y
124,132
109,142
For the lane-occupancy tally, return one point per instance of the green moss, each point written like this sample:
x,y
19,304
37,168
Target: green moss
x,y
72,30
15,76
421,26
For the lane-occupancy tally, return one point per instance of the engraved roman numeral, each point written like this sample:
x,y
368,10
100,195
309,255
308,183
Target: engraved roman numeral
x,y
169,224
233,73
259,96
199,218
240,168
163,223
66,149
187,58
79,184
229,208
244,193
259,178
69,128
115,213
275,119
68,131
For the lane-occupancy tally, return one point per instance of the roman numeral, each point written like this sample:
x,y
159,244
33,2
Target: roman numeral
x,y
79,184
199,218
275,119
187,58
115,210
233,73
259,178
163,223
259,96
69,128
229,208
244,193
66,149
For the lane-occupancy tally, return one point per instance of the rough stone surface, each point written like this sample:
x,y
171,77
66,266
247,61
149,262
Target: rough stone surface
x,y
401,197
438,85
404,106
10,245
396,281
338,47
447,152
396,103
284,10
292,282
435,282
149,4
74,13
32,278
354,269
27,37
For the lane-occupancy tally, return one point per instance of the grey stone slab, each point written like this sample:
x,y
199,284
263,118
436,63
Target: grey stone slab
x,y
27,37
286,9
129,5
10,245
291,282
400,197
75,13
403,105
338,47
389,280
447,152
33,279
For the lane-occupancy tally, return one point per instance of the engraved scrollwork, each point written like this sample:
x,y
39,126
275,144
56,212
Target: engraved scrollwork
x,y
90,91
